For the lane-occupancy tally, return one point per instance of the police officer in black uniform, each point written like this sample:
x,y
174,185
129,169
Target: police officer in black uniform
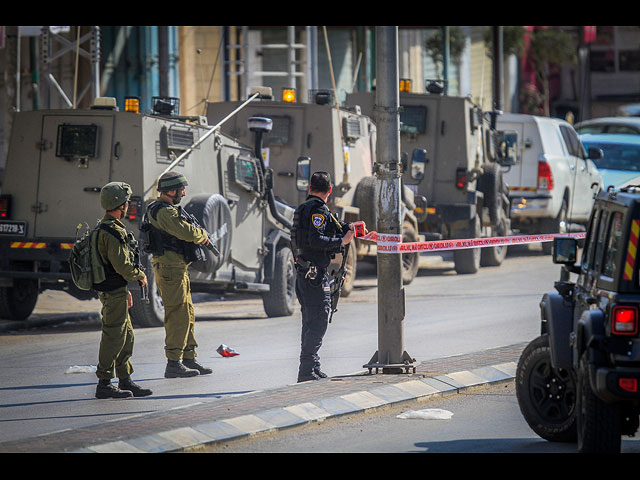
x,y
316,236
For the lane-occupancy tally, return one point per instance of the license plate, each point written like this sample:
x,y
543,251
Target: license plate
x,y
16,228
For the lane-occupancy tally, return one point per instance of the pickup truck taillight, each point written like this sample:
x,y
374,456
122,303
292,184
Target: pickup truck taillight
x,y
624,320
545,177
5,206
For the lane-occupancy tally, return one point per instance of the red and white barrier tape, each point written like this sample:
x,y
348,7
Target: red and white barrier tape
x,y
392,243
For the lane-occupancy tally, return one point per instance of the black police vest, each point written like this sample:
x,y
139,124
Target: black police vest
x,y
300,234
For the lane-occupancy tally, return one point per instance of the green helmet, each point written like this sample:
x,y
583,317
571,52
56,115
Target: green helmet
x,y
171,181
114,194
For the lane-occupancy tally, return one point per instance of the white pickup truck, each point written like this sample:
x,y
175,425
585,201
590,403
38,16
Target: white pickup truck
x,y
553,183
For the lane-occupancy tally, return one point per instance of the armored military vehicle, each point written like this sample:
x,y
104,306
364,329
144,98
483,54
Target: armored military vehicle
x,y
318,135
580,379
453,157
58,160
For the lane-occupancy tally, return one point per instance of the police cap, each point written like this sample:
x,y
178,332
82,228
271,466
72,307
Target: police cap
x,y
114,194
171,181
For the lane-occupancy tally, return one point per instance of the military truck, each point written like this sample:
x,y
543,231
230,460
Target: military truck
x,y
453,157
318,135
579,380
57,162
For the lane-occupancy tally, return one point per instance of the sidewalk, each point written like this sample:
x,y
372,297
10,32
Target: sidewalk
x,y
239,416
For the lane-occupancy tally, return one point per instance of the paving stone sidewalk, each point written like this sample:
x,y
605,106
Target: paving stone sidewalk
x,y
186,428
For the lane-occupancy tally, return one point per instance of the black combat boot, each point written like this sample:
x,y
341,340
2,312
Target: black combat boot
x,y
319,372
175,369
307,377
191,363
106,390
137,390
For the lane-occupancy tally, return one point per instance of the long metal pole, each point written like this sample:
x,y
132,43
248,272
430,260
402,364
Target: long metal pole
x,y
390,357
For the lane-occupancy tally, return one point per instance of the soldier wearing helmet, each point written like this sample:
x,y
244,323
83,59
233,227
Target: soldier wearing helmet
x,y
178,235
117,250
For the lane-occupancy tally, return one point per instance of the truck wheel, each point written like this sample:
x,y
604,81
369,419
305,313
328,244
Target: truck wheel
x,y
281,299
556,225
365,199
145,314
494,256
214,215
546,395
18,302
410,261
351,267
468,260
491,185
599,423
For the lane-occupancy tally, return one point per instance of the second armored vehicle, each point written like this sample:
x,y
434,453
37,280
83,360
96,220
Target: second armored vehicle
x,y
307,137
455,163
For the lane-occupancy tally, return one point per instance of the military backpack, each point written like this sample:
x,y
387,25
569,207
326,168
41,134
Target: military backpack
x,y
85,264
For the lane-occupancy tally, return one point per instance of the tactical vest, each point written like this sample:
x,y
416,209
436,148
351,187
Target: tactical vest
x,y
155,240
300,231
113,279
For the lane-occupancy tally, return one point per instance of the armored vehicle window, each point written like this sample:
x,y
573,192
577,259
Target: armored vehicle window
x,y
587,255
247,174
77,141
177,138
613,245
279,134
602,230
413,119
351,128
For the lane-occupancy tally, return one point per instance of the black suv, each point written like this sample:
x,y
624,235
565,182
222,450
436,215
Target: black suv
x,y
580,380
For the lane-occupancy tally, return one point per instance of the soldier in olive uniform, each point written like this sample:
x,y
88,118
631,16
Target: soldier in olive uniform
x,y
172,277
116,249
317,236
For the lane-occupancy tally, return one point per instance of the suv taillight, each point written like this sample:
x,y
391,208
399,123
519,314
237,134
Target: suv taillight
x,y
624,320
628,384
545,177
5,206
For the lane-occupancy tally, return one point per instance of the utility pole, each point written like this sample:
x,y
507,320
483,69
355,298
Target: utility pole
x,y
390,357
498,67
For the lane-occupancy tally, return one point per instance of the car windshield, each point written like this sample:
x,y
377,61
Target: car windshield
x,y
617,156
608,128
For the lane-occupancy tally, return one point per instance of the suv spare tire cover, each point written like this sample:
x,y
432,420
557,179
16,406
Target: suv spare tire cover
x,y
214,214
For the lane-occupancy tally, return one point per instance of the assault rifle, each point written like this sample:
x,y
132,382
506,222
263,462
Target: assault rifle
x,y
338,281
194,221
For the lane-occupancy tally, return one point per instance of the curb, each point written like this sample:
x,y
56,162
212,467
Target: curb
x,y
272,420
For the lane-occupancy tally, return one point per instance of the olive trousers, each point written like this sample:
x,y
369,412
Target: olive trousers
x,y
179,314
116,342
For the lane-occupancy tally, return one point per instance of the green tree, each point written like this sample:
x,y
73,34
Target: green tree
x,y
512,41
550,46
433,45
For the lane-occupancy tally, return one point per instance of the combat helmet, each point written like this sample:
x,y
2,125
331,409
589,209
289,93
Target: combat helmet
x,y
171,181
114,194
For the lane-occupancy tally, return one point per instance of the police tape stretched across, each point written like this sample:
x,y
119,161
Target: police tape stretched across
x,y
392,243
